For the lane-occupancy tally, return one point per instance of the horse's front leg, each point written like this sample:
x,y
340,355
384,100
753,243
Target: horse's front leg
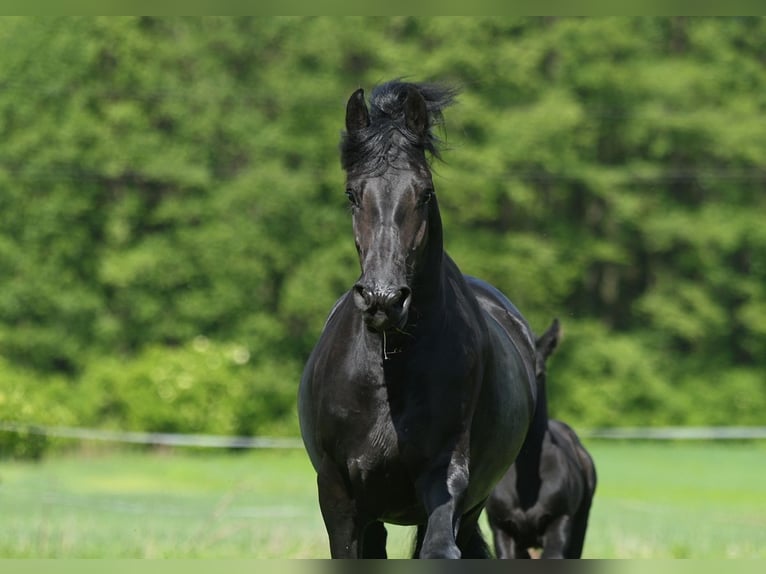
x,y
339,511
442,492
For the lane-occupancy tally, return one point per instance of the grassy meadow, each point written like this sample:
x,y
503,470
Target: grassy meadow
x,y
654,500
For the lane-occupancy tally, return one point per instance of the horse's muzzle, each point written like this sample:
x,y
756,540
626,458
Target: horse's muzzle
x,y
383,307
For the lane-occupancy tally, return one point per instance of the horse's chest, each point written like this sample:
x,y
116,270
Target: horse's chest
x,y
377,444
380,471
387,435
385,425
378,436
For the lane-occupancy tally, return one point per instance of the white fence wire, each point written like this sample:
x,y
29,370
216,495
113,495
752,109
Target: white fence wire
x,y
151,438
254,442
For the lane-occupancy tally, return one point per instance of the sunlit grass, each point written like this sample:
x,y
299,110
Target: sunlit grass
x,y
679,500
668,500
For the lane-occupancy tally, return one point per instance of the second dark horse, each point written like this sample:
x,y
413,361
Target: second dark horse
x,y
421,388
544,499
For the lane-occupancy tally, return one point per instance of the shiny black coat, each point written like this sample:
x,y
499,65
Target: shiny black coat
x,y
421,388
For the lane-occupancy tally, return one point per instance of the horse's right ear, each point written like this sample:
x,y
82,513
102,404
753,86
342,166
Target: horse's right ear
x,y
357,116
547,342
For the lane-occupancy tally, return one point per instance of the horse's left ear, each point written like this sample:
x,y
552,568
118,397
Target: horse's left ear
x,y
357,116
416,112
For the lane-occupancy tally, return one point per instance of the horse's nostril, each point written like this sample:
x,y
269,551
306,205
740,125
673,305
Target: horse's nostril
x,y
401,297
362,297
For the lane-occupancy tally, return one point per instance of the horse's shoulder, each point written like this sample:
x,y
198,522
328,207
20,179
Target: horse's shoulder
x,y
336,306
329,331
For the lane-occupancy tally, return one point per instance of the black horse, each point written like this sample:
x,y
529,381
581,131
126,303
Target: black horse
x,y
544,499
421,388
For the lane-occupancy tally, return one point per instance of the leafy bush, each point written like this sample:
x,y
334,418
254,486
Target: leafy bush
x,y
27,398
201,387
598,378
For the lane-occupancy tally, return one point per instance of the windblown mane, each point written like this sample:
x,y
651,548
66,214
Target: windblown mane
x,y
370,148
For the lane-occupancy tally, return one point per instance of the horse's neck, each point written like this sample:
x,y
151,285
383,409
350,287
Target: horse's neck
x,y
429,288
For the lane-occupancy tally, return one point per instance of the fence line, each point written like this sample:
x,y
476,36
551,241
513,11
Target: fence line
x,y
151,438
253,442
678,433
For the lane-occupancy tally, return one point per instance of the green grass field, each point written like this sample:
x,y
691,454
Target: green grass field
x,y
654,500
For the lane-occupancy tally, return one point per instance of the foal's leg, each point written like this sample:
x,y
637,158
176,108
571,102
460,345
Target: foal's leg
x,y
579,526
556,537
506,547
502,542
518,551
341,518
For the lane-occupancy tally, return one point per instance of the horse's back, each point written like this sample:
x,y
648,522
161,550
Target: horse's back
x,y
512,323
495,303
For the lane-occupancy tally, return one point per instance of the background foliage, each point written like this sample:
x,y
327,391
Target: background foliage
x,y
173,232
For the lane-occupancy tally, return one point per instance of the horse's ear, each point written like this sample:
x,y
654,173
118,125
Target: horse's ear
x,y
547,342
357,116
416,112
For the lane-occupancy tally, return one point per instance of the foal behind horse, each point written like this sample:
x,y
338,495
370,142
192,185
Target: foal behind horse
x,y
544,499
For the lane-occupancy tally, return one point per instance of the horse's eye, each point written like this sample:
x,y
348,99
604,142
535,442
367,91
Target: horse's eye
x,y
426,196
351,197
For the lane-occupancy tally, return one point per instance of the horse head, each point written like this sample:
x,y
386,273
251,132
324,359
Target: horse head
x,y
396,222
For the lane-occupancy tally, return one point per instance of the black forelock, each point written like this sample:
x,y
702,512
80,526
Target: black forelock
x,y
368,149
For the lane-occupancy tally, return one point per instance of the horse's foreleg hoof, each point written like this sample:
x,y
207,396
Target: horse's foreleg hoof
x,y
445,552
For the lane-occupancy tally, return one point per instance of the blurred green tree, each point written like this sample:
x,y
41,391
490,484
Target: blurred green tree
x,y
163,180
